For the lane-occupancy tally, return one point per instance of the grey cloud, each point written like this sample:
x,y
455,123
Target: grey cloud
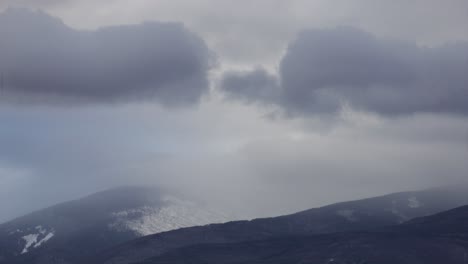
x,y
257,31
323,69
249,86
32,3
43,60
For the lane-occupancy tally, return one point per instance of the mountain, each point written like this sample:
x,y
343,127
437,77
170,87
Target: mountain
x,y
114,226
71,231
442,238
366,214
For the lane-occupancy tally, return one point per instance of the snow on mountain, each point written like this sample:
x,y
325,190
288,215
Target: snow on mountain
x,y
351,216
85,226
30,240
107,226
37,239
177,213
436,239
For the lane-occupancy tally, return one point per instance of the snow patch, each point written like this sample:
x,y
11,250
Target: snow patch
x,y
40,229
413,202
147,220
348,214
32,239
45,239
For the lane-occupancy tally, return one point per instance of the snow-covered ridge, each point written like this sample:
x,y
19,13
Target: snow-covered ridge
x,y
176,213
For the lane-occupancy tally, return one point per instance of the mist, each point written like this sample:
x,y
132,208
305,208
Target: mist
x,y
258,117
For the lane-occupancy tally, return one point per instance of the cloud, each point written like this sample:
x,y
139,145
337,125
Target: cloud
x,y
223,153
249,86
43,60
324,69
227,152
32,3
256,32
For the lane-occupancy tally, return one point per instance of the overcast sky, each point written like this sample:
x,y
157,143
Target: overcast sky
x,y
266,107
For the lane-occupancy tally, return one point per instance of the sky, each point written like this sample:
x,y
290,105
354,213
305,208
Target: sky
x,y
260,107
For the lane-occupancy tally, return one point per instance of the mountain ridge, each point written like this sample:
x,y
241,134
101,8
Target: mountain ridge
x,y
364,214
441,238
75,229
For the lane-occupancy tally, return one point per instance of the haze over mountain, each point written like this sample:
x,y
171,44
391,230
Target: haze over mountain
x,y
90,229
366,214
77,229
442,238
262,108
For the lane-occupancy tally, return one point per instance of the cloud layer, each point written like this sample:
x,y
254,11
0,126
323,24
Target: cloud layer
x,y
224,151
43,60
324,69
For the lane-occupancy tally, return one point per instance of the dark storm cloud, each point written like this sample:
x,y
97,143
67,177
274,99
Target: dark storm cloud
x,y
324,69
44,60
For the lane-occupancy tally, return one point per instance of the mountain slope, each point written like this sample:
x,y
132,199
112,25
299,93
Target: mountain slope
x,y
364,214
442,238
68,232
